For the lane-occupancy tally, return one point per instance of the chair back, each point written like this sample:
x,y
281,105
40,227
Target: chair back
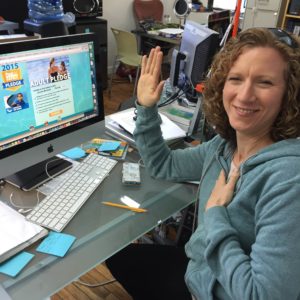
x,y
127,47
127,53
148,9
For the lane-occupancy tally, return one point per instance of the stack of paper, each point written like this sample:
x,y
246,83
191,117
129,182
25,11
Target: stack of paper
x,y
16,233
124,123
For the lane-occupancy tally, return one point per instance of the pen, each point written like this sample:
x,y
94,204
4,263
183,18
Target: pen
x,y
135,209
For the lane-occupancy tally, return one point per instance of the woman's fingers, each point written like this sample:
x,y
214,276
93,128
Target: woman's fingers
x,y
149,61
233,179
159,89
222,192
143,64
149,86
157,67
222,178
149,65
155,60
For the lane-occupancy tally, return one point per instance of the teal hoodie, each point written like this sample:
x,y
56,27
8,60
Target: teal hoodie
x,y
251,248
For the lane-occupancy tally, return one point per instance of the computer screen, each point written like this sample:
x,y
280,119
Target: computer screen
x,y
49,100
190,64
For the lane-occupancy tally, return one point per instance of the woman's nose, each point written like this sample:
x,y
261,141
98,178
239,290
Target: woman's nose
x,y
246,92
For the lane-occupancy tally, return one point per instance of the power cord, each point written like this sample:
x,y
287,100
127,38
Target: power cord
x,y
24,209
176,95
46,167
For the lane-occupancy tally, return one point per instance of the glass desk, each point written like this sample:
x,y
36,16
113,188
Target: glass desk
x,y
100,230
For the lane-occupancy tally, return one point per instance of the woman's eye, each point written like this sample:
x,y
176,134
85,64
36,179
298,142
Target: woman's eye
x,y
265,82
234,79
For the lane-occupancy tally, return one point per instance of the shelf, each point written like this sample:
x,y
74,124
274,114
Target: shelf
x,y
292,16
290,22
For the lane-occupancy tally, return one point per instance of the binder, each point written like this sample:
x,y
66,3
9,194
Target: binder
x,y
16,233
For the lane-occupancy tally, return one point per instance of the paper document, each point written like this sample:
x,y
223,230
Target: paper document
x,y
169,129
16,232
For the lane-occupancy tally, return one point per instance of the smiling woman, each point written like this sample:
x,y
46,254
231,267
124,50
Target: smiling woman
x,y
248,236
282,81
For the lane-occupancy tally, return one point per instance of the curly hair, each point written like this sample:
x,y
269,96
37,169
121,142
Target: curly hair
x,y
287,123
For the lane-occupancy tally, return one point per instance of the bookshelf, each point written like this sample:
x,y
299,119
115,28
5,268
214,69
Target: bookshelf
x,y
291,17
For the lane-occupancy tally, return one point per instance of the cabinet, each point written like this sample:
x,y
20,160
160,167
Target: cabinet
x,y
291,17
263,13
99,27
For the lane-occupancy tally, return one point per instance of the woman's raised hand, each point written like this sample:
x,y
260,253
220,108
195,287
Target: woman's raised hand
x,y
149,86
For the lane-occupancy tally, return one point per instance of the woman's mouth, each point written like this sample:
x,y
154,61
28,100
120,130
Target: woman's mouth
x,y
245,111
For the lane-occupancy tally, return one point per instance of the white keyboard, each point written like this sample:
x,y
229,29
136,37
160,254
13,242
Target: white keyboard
x,y
59,207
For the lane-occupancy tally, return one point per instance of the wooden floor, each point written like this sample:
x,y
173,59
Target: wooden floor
x,y
121,91
113,291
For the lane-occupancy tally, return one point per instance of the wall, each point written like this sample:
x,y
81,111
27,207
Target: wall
x,y
119,14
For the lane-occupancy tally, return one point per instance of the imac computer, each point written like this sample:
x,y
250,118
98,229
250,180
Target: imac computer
x,y
49,102
190,63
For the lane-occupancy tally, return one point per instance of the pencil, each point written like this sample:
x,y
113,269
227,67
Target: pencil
x,y
135,209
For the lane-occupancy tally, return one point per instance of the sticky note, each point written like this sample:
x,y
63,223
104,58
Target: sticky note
x,y
74,153
13,266
109,146
56,244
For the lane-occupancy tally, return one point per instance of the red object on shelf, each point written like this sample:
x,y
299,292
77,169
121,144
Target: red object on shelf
x,y
236,18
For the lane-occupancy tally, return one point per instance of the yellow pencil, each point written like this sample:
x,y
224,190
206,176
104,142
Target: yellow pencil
x,y
135,209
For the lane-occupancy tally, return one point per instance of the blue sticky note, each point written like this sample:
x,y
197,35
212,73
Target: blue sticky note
x,y
109,146
13,266
56,243
74,153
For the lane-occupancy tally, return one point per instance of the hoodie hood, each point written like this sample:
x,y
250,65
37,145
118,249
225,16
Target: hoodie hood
x,y
282,150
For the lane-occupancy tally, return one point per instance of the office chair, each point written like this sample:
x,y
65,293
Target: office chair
x,y
150,11
127,53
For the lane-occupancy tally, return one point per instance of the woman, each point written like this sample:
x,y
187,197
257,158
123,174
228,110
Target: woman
x,y
53,69
247,244
63,69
